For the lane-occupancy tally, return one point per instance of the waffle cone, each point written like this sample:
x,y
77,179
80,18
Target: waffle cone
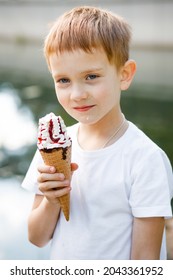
x,y
60,158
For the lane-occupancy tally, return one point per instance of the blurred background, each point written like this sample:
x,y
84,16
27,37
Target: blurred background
x,y
27,93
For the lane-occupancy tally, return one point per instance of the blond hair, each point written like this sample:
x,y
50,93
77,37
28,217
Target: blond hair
x,y
87,28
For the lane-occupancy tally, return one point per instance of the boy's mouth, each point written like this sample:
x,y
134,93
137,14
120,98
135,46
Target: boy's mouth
x,y
83,108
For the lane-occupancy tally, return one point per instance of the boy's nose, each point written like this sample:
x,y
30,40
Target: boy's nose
x,y
78,92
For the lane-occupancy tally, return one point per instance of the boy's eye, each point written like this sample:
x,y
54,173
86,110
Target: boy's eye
x,y
91,77
63,81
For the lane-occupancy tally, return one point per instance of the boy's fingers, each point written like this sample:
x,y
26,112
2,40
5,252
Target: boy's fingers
x,y
62,192
46,169
55,194
74,166
48,173
52,169
43,177
54,185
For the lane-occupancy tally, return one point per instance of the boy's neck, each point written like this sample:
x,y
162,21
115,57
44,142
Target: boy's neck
x,y
97,136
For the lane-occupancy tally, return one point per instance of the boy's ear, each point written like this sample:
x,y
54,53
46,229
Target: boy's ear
x,y
127,74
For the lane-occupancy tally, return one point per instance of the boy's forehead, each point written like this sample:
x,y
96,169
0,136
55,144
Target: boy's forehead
x,y
79,59
68,56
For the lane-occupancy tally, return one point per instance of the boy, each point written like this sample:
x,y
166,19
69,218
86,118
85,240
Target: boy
x,y
122,182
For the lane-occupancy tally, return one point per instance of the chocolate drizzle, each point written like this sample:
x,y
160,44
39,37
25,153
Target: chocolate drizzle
x,y
64,151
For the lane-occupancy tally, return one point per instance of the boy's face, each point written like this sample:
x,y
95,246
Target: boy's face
x,y
87,85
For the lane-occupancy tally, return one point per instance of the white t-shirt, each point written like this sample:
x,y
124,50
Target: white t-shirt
x,y
131,178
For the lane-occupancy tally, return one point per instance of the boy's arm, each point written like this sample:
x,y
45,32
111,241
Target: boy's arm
x,y
147,238
46,208
42,221
169,237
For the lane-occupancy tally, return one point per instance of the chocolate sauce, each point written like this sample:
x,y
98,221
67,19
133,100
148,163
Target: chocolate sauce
x,y
64,151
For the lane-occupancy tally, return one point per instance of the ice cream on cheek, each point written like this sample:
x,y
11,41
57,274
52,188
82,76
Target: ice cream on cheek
x,y
55,147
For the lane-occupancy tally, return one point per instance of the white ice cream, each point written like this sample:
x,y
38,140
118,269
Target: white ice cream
x,y
52,133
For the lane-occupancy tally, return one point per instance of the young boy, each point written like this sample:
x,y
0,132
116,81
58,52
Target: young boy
x,y
122,182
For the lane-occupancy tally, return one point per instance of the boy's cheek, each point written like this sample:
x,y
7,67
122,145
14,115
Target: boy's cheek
x,y
61,98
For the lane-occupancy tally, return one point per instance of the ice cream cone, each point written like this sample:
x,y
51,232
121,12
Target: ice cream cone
x,y
60,158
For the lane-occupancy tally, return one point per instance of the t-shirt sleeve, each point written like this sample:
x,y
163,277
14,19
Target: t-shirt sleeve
x,y
30,180
152,186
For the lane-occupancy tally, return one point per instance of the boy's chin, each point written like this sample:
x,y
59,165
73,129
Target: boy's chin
x,y
87,119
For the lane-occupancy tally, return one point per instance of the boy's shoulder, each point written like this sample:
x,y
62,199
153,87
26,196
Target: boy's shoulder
x,y
139,139
145,156
140,145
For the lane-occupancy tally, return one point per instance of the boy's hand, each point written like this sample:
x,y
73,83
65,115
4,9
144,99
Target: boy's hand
x,y
53,184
